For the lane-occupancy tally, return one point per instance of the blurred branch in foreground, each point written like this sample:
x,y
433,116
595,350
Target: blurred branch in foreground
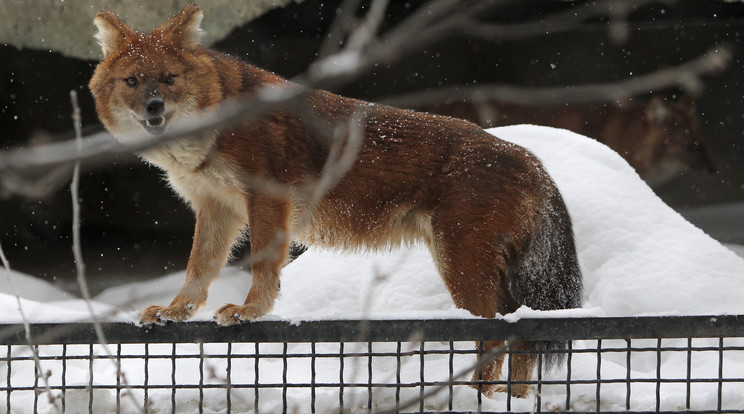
x,y
571,19
38,170
687,76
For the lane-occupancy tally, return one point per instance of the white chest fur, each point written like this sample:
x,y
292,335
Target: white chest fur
x,y
200,175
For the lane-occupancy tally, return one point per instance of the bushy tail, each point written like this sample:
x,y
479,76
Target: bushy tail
x,y
550,276
554,353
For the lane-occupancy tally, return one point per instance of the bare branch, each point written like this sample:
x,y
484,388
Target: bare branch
x,y
27,330
431,22
101,147
23,182
686,76
76,248
347,143
342,24
347,140
571,19
76,244
482,360
366,32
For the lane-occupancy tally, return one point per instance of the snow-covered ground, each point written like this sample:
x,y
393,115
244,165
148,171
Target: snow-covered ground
x,y
638,257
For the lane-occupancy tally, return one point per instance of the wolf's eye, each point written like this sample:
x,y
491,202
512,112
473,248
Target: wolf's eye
x,y
170,80
131,81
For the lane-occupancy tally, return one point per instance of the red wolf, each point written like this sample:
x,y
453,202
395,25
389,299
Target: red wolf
x,y
660,138
491,216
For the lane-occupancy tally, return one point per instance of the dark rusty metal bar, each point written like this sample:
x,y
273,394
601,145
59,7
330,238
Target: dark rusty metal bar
x,y
384,330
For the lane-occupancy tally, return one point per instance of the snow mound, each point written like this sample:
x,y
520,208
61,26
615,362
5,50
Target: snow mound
x,y
638,256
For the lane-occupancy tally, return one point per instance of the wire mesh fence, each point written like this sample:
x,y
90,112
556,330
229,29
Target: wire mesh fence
x,y
646,364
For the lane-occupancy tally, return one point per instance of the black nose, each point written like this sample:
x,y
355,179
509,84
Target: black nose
x,y
154,106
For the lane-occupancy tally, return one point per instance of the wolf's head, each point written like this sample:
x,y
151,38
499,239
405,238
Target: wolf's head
x,y
146,82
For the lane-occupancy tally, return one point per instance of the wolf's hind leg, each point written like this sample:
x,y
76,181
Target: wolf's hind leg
x,y
522,364
473,270
491,362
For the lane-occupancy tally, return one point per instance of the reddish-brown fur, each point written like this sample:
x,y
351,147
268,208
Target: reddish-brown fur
x,y
660,138
492,217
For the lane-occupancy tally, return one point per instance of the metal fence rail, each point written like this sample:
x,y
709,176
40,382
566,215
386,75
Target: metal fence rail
x,y
644,364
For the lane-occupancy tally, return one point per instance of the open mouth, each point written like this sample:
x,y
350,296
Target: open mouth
x,y
154,122
155,125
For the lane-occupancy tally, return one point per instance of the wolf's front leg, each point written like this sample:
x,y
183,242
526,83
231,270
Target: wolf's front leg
x,y
269,225
217,229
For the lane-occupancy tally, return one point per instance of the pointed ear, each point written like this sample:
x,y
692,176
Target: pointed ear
x,y
112,32
184,29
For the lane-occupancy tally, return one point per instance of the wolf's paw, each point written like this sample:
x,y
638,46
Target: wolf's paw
x,y
234,314
517,390
160,315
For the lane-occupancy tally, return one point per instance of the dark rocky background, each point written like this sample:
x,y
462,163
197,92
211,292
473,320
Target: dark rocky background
x,y
134,227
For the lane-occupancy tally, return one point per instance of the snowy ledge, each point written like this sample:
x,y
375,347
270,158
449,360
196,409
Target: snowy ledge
x,y
384,330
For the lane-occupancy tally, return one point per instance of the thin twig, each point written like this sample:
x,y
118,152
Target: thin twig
x,y
685,76
341,26
102,147
366,32
430,23
76,244
483,359
572,19
347,139
29,340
